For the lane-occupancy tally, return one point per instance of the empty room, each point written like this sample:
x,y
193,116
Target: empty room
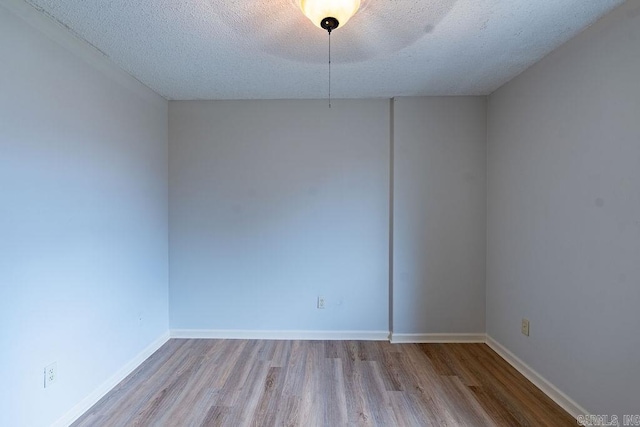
x,y
320,213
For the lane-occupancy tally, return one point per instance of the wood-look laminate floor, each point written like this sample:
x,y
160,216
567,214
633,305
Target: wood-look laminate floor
x,y
324,383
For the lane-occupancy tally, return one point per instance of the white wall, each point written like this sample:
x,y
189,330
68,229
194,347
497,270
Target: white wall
x,y
273,203
83,218
439,215
564,215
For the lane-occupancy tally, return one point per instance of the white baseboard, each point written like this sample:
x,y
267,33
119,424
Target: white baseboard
x,y
280,335
538,380
86,403
437,338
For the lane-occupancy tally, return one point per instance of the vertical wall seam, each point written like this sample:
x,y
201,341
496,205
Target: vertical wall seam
x,y
391,183
168,215
486,212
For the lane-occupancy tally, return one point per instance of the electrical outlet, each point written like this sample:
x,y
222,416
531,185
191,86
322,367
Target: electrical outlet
x,y
525,327
320,302
50,374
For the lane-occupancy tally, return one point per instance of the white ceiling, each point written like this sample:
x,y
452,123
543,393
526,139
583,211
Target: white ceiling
x,y
252,49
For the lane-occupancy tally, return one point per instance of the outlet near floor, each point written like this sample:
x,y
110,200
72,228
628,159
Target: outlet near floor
x,y
525,327
50,374
320,302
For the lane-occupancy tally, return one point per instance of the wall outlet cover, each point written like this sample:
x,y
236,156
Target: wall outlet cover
x,y
50,374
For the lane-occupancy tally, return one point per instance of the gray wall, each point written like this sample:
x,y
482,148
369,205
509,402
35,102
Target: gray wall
x,y
564,215
439,215
273,203
83,218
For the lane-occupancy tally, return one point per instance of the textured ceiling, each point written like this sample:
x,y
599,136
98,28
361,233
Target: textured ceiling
x,y
251,49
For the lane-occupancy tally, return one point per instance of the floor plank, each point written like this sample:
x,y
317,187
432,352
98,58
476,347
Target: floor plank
x,y
324,383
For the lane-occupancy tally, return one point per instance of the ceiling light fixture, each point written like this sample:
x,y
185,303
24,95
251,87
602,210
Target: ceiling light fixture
x,y
329,15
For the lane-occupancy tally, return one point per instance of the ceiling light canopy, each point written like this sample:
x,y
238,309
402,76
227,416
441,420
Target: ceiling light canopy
x,y
329,14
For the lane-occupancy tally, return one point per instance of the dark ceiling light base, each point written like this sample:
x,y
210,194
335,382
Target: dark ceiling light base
x,y
329,23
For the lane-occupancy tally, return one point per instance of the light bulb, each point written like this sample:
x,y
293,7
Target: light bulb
x,y
317,10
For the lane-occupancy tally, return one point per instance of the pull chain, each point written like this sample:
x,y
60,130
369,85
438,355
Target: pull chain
x,y
329,69
329,23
